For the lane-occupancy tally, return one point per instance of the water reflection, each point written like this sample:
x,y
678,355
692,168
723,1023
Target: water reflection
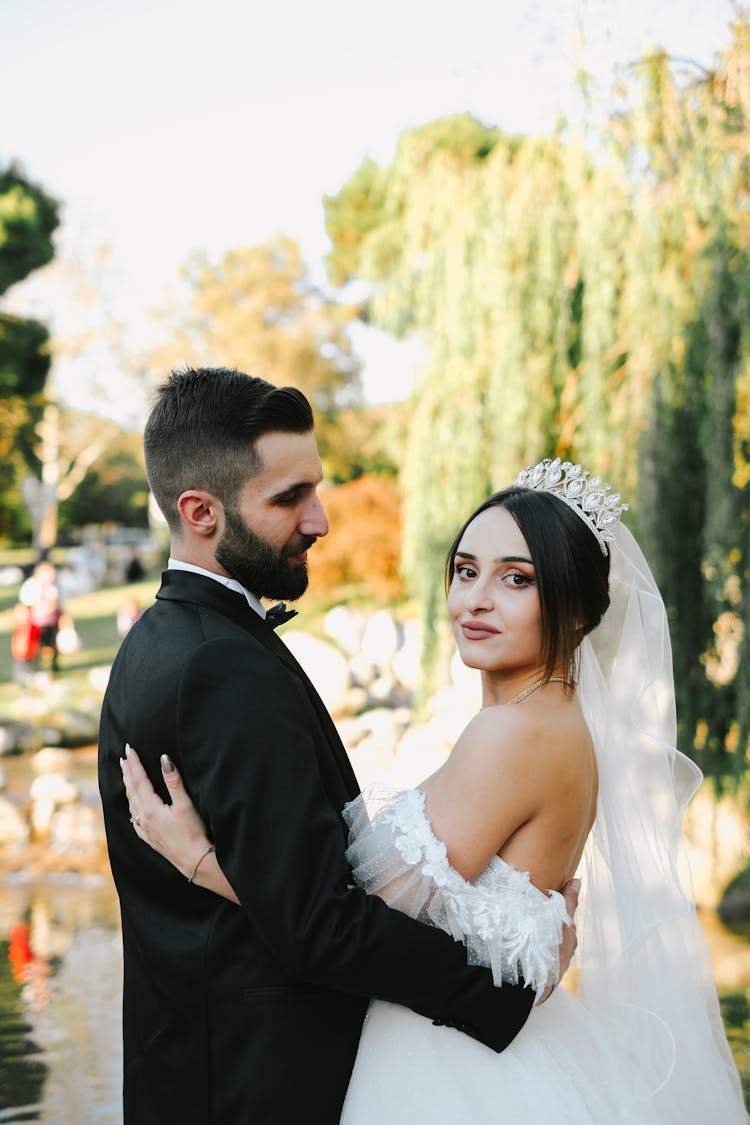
x,y
60,989
60,985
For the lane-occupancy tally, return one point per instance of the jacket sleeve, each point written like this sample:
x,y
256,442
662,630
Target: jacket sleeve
x,y
247,748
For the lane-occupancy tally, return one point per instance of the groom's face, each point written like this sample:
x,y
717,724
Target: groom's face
x,y
277,517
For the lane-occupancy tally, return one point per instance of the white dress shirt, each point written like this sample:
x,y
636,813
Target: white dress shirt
x,y
224,579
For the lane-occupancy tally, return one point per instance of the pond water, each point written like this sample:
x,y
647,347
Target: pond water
x,y
60,987
60,982
61,979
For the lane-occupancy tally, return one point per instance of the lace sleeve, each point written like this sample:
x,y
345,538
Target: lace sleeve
x,y
504,921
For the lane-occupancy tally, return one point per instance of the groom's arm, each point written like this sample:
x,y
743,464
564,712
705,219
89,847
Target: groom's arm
x,y
246,739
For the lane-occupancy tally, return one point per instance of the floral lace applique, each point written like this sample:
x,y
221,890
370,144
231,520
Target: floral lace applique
x,y
504,921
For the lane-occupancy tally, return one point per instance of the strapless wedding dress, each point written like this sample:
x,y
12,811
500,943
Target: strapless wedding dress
x,y
564,1068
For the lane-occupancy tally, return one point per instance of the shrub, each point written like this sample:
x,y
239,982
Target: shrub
x,y
364,545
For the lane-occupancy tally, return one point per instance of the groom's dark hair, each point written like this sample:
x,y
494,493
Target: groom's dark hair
x,y
203,428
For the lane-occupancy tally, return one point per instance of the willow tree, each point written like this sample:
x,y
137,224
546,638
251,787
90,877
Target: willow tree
x,y
590,303
474,240
689,137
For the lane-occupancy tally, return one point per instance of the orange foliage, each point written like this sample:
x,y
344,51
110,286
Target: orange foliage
x,y
364,543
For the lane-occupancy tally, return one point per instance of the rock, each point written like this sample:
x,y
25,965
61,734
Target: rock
x,y
406,662
76,828
421,751
382,735
385,692
354,701
351,731
372,762
48,736
372,739
345,627
362,671
47,791
99,678
325,666
13,827
451,712
53,787
51,760
11,576
386,724
14,736
77,728
467,682
382,638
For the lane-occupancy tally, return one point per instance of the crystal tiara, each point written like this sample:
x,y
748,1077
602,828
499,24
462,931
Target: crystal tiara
x,y
594,502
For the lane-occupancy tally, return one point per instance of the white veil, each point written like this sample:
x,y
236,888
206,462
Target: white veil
x,y
645,970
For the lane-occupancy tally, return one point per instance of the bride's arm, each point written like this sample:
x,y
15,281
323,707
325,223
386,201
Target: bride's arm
x,y
178,834
505,774
175,831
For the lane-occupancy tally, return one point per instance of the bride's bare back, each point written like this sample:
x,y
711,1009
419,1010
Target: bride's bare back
x,y
521,782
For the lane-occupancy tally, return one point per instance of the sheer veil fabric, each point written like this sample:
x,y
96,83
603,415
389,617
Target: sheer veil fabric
x,y
645,973
642,1042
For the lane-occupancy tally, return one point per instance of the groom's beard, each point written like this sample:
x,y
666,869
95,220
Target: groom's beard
x,y
259,567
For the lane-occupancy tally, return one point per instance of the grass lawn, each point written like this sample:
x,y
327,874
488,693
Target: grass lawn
x,y
95,617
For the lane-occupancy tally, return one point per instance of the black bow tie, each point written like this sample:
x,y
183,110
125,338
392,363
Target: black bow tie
x,y
278,614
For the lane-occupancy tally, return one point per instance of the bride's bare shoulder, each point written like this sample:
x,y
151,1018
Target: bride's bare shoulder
x,y
507,736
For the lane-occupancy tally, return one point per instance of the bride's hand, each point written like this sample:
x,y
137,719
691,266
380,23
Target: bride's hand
x,y
569,941
175,831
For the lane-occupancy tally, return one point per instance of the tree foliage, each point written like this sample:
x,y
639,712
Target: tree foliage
x,y
258,311
694,454
589,301
115,489
28,218
361,555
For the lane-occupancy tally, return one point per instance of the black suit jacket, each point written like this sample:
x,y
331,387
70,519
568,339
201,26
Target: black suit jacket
x,y
253,1013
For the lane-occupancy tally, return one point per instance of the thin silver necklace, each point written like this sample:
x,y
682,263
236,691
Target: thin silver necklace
x,y
538,684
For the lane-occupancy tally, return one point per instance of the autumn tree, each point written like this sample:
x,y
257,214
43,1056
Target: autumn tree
x,y
361,556
258,311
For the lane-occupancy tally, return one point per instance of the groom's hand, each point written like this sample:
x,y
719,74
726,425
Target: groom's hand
x,y
569,941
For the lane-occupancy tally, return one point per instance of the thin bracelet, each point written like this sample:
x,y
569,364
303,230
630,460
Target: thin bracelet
x,y
200,861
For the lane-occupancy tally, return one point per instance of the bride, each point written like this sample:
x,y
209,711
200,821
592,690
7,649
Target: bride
x,y
569,766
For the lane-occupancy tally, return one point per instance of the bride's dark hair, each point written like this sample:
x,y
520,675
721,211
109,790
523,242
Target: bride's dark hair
x,y
572,573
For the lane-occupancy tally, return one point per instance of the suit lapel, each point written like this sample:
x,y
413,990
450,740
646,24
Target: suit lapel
x,y
184,586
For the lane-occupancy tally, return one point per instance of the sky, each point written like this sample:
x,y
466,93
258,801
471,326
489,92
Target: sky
x,y
167,126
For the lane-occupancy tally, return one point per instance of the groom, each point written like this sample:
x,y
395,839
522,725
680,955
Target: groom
x,y
251,1014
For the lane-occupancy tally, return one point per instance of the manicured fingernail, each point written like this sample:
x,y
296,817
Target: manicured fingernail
x,y
127,749
166,763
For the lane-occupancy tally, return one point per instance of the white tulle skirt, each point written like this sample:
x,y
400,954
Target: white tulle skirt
x,y
554,1073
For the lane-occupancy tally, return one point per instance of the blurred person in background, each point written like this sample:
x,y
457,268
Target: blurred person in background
x,y
41,594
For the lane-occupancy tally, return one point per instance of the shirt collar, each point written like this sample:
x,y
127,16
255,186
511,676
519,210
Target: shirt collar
x,y
223,579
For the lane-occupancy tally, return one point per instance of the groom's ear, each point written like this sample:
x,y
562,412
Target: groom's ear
x,y
201,512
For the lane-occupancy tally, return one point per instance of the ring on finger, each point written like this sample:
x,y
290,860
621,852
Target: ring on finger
x,y
135,819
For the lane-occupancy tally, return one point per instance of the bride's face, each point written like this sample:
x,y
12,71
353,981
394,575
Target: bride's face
x,y
493,600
